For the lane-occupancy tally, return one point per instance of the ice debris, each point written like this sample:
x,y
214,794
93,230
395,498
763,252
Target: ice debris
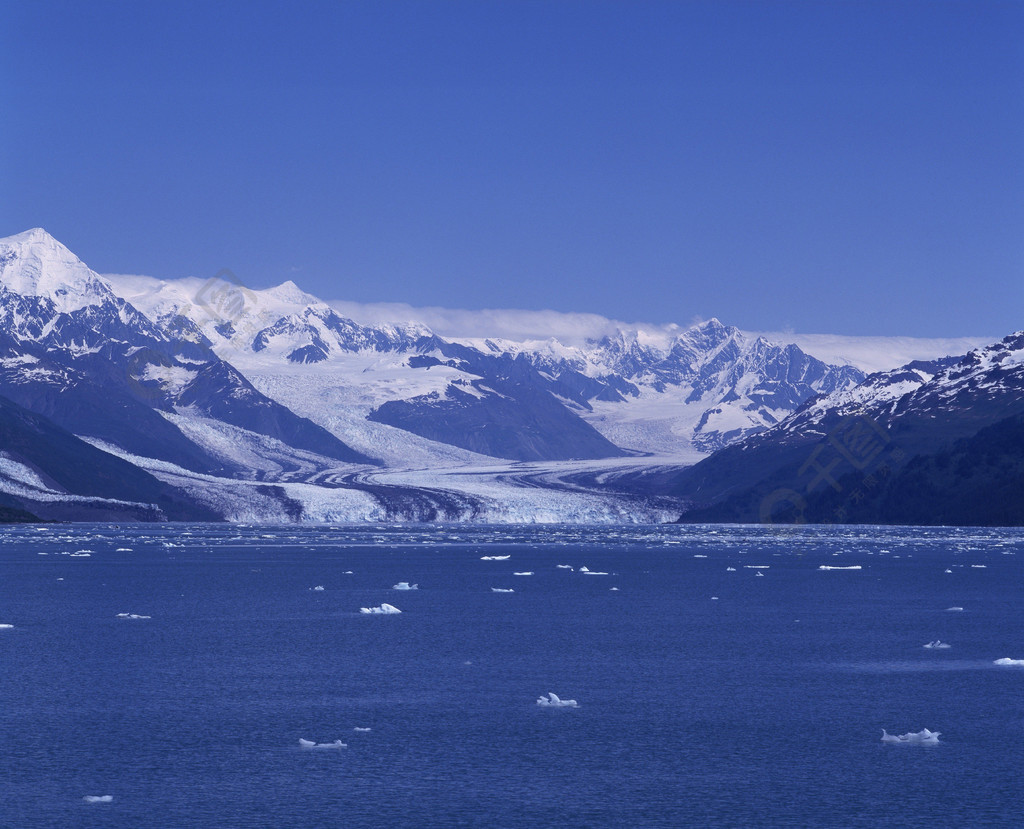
x,y
357,728
938,643
311,744
553,701
502,590
953,609
319,588
98,798
833,567
6,627
404,585
1007,661
524,573
132,616
384,608
924,737
495,558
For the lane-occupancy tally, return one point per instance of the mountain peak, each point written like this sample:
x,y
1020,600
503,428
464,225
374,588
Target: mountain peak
x,y
34,263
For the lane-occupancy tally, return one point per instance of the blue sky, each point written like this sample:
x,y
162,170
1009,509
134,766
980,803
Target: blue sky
x,y
843,167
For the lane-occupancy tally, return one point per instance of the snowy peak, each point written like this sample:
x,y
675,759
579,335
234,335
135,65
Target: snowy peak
x,y
34,264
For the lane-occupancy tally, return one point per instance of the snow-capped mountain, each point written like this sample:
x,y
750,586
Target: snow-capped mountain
x,y
681,395
868,430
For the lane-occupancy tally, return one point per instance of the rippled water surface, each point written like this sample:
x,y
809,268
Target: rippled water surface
x,y
707,696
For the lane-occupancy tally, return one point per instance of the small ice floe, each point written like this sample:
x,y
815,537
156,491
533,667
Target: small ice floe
x,y
503,590
132,616
979,566
310,744
947,570
6,627
938,643
587,571
730,569
613,588
357,728
404,585
564,566
347,573
1018,663
123,550
319,588
98,798
759,573
495,558
924,737
382,609
553,701
953,609
699,555
524,573
757,566
833,567
714,598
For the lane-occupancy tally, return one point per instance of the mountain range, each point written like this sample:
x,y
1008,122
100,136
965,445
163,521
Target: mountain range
x,y
205,399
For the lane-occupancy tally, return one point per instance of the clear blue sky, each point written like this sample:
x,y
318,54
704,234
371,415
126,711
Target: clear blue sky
x,y
846,167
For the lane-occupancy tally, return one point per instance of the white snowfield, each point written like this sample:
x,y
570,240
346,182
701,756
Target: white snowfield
x,y
553,701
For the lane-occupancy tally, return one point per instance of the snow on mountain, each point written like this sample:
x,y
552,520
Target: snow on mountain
x,y
34,264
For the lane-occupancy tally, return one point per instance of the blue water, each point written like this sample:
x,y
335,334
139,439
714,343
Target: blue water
x,y
763,707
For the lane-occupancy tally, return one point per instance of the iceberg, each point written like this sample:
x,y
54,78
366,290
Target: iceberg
x,y
730,569
587,571
382,609
132,616
404,585
524,573
98,798
553,701
6,627
953,609
564,566
319,588
1007,661
311,744
834,567
357,728
924,737
502,590
495,558
938,643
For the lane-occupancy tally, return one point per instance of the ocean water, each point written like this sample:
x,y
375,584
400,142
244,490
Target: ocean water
x,y
707,696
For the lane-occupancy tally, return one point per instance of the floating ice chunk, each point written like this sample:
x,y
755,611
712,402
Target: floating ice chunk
x,y
552,701
938,643
6,627
714,598
123,550
347,573
588,572
979,566
404,585
948,570
382,609
759,573
1019,663
319,588
757,566
495,558
730,569
311,744
98,798
953,609
698,555
132,616
924,737
357,728
503,590
524,573
830,567
613,588
564,566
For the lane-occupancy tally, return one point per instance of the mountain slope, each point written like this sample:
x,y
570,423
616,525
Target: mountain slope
x,y
835,449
